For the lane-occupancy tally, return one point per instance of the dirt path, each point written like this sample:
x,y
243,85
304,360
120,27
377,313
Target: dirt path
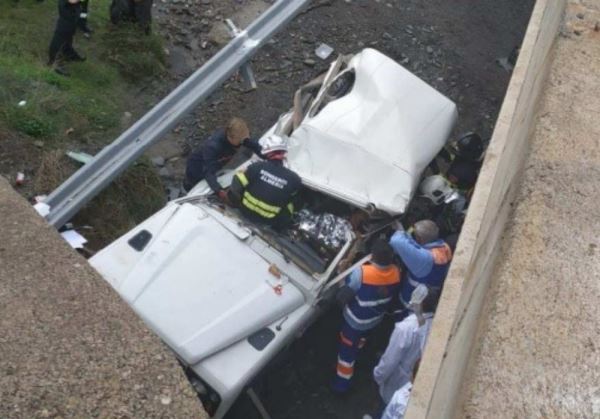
x,y
538,352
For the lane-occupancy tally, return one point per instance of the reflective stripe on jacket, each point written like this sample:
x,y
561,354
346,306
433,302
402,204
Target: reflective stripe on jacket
x,y
377,290
268,190
441,256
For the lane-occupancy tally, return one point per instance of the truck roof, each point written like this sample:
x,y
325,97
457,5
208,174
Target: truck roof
x,y
372,145
196,283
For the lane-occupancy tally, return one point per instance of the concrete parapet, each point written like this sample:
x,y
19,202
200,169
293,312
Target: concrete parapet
x,y
69,347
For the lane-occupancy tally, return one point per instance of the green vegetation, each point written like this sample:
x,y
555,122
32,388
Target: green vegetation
x,y
92,99
82,112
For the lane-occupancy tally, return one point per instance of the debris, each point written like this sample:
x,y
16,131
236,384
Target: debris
x,y
158,161
70,131
323,51
325,3
22,103
40,198
80,156
42,208
166,400
310,62
504,63
38,144
174,192
20,179
75,240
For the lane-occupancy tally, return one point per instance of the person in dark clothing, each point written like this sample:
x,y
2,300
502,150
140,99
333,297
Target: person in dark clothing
x,y
139,11
448,203
216,152
62,41
266,189
83,19
463,157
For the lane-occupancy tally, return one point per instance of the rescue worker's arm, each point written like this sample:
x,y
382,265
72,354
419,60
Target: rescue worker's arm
x,y
351,286
252,144
210,156
417,259
354,280
391,358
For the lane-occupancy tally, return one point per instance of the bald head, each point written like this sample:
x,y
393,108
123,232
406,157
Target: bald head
x,y
426,231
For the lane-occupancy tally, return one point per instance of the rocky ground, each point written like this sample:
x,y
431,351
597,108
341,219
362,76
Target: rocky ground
x,y
454,46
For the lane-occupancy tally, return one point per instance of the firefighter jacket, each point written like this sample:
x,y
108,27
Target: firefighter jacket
x,y
426,264
376,288
267,191
216,152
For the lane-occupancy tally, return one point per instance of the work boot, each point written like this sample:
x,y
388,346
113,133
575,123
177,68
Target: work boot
x,y
75,57
62,71
87,31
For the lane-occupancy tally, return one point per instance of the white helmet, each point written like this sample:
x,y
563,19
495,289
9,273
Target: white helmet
x,y
437,189
271,144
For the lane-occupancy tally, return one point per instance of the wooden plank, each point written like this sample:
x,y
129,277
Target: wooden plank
x,y
438,384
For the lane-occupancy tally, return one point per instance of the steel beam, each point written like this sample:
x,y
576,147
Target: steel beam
x,y
94,176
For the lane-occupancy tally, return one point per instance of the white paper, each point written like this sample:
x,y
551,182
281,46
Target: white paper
x,y
75,239
42,208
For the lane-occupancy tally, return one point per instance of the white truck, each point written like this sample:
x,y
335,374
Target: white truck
x,y
227,295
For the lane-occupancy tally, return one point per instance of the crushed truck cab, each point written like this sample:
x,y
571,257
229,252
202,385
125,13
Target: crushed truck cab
x,y
227,295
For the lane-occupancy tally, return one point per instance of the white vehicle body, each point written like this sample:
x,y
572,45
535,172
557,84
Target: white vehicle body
x,y
204,280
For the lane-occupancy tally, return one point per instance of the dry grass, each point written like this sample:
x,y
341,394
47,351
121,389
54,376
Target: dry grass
x,y
130,199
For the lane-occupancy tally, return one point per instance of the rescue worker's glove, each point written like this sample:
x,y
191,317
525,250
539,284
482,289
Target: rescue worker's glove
x,y
222,194
397,225
344,295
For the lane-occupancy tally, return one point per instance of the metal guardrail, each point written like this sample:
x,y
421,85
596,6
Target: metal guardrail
x,y
94,176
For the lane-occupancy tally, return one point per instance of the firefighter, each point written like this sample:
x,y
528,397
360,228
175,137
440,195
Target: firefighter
x,y
215,152
375,285
425,256
464,157
69,12
266,189
449,205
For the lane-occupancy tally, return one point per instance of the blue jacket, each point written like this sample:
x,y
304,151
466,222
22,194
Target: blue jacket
x,y
206,161
426,264
376,288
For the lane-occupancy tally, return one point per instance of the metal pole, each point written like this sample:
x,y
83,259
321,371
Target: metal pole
x,y
257,403
94,176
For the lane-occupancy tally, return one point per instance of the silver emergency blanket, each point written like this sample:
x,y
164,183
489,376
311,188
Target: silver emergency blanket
x,y
327,230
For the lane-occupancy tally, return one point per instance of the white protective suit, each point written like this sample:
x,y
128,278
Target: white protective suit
x,y
405,348
397,406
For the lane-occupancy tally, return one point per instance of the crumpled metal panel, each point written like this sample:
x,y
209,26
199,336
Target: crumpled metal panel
x,y
372,145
